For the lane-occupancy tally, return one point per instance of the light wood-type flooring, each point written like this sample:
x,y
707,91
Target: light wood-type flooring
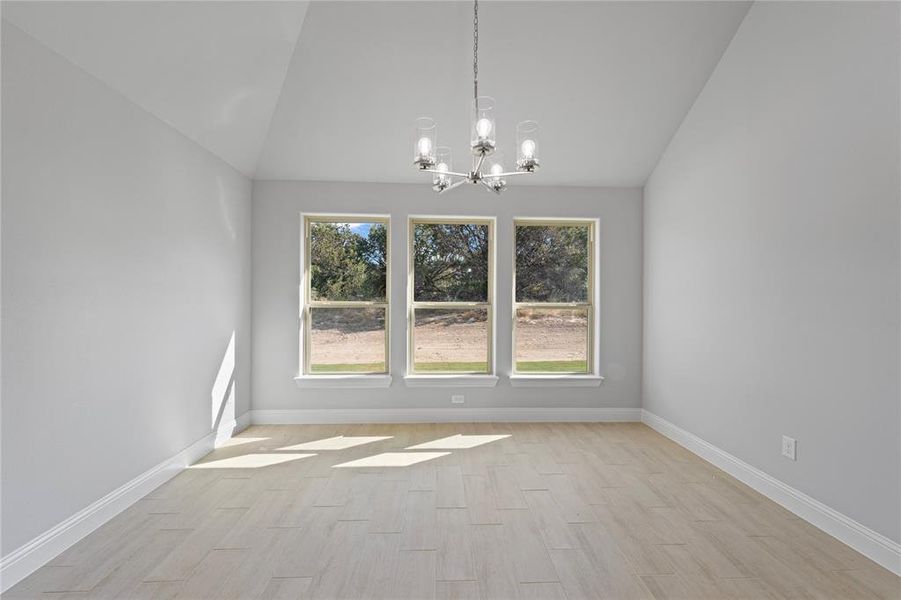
x,y
478,510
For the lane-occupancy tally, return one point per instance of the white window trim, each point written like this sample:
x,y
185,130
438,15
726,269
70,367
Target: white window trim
x,y
593,378
490,379
308,380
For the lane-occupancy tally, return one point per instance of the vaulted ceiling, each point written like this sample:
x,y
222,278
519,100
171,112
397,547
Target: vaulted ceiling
x,y
330,90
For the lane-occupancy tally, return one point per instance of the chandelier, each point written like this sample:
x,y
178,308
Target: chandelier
x,y
429,157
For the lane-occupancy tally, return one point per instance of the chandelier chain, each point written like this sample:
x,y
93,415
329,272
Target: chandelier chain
x,y
475,52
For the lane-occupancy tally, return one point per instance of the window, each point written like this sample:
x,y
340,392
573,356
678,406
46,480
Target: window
x,y
554,296
451,291
345,294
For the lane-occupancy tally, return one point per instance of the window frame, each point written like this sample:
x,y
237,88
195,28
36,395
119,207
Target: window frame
x,y
412,304
591,355
307,304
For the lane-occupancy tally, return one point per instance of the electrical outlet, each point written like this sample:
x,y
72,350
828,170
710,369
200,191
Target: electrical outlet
x,y
789,447
457,399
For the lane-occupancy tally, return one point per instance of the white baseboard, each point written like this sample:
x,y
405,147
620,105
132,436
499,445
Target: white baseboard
x,y
871,544
22,562
439,415
229,429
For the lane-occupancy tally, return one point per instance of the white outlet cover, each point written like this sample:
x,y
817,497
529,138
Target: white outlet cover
x,y
457,399
789,447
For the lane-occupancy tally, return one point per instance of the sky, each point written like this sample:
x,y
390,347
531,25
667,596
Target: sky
x,y
361,228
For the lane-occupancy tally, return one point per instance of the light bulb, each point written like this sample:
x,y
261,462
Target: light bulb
x,y
425,146
483,127
497,169
442,167
528,148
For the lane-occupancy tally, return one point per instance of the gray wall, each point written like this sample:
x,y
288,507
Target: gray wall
x,y
126,268
276,277
771,256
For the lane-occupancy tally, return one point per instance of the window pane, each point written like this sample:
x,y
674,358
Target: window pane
x,y
450,340
450,262
348,261
347,340
552,263
552,340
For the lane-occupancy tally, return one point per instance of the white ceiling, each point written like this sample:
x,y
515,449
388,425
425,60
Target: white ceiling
x,y
212,70
331,92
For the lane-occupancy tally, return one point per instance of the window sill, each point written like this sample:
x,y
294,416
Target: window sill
x,y
556,380
342,381
487,381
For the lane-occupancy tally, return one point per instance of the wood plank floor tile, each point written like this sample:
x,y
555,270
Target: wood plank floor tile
x,y
458,590
416,575
285,588
454,545
530,557
480,500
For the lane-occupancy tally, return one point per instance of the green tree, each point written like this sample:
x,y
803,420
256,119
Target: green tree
x,y
450,262
552,263
345,265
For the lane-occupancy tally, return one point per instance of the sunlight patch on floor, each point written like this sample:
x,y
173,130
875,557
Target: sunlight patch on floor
x,y
340,442
458,442
393,459
250,461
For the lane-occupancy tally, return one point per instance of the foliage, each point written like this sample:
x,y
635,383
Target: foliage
x,y
345,265
552,263
450,262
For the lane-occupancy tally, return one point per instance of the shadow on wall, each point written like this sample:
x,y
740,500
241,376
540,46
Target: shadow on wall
x,y
223,394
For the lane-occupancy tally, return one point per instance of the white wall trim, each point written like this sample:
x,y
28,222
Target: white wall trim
x,y
556,380
440,415
25,560
342,381
442,381
229,429
871,544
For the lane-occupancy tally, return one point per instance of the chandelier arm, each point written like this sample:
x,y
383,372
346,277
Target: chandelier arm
x,y
452,186
478,166
490,188
449,173
511,173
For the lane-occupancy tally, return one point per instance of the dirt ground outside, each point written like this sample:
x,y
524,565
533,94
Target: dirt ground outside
x,y
541,337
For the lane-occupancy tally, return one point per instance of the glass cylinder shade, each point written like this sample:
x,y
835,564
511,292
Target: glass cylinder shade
x,y
444,164
483,132
527,146
495,166
426,143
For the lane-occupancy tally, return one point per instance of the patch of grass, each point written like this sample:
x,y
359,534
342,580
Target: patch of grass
x,y
453,367
348,368
552,366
